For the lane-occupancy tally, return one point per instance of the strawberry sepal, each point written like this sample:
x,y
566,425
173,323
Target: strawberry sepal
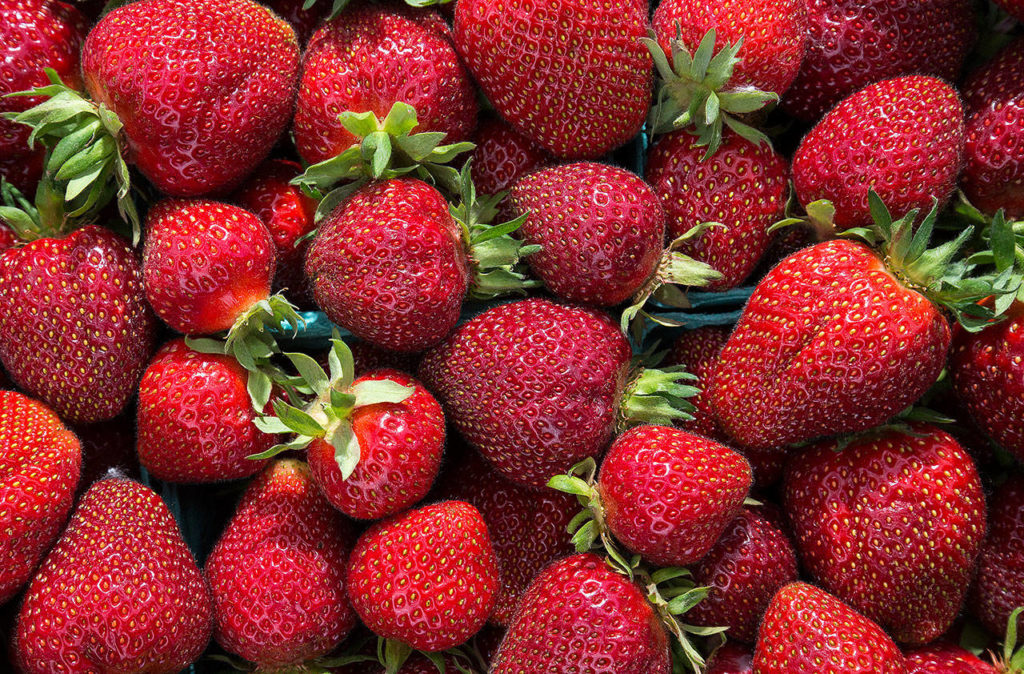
x,y
658,397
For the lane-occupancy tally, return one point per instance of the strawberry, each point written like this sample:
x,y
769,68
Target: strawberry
x,y
400,453
902,138
304,20
577,102
22,172
195,418
39,471
697,351
892,524
580,614
443,590
743,186
295,608
370,57
75,330
108,445
367,357
853,43
945,658
997,590
503,156
1014,7
118,592
731,659
808,630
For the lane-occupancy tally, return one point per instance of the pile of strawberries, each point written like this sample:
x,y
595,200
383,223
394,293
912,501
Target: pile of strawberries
x,y
512,454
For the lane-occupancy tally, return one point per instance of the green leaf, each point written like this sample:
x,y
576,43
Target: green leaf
x,y
341,364
570,485
395,655
585,537
271,425
310,371
297,420
376,391
297,444
346,449
686,601
259,387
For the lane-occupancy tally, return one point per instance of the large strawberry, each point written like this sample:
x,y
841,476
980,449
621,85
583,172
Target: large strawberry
x,y
808,630
945,658
502,156
119,592
997,590
39,471
571,75
891,524
902,138
295,608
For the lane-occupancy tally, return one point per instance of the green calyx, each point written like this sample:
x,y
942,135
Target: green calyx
x,y
818,216
692,92
387,148
338,5
658,396
1012,660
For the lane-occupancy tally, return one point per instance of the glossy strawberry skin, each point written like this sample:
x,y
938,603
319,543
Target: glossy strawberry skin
x,y
400,447
578,101
195,418
697,351
853,43
75,329
668,494
892,525
808,630
945,658
731,659
201,106
295,608
444,590
39,471
903,138
773,34
997,589
534,421
205,263
580,614
503,156
742,186
601,230
369,58
119,591
390,265
829,343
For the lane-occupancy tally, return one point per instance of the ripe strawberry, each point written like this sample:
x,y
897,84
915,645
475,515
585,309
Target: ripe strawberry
x,y
731,659
108,445
853,43
749,562
571,75
697,351
892,524
367,357
580,614
503,156
370,57
997,590
945,658
39,470
443,590
75,330
743,186
902,138
118,592
295,608
22,172
808,630
195,418
303,20
400,453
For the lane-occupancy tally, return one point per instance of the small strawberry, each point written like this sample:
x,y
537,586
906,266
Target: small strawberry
x,y
39,472
503,156
571,75
945,658
295,609
119,592
731,659
997,589
808,630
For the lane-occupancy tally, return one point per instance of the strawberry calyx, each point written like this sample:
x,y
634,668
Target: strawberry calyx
x,y
657,396
1012,659
818,216
693,92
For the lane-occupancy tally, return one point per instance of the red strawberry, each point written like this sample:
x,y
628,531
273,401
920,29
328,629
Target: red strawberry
x,y
303,20
697,351
108,445
997,589
808,630
579,614
367,357
22,172
571,75
75,330
1014,7
118,592
400,453
442,591
892,524
295,608
749,562
743,186
39,470
503,156
902,138
945,658
853,43
370,57
195,418
731,659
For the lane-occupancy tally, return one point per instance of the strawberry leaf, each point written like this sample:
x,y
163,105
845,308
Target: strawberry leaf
x,y
377,391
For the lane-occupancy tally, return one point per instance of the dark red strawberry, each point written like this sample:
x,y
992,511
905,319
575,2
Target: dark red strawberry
x,y
295,608
891,524
902,138
23,172
108,445
997,590
304,20
945,658
853,43
697,351
195,418
580,614
367,357
808,630
445,586
731,659
39,471
743,186
503,156
1014,7
370,57
571,75
75,330
119,592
